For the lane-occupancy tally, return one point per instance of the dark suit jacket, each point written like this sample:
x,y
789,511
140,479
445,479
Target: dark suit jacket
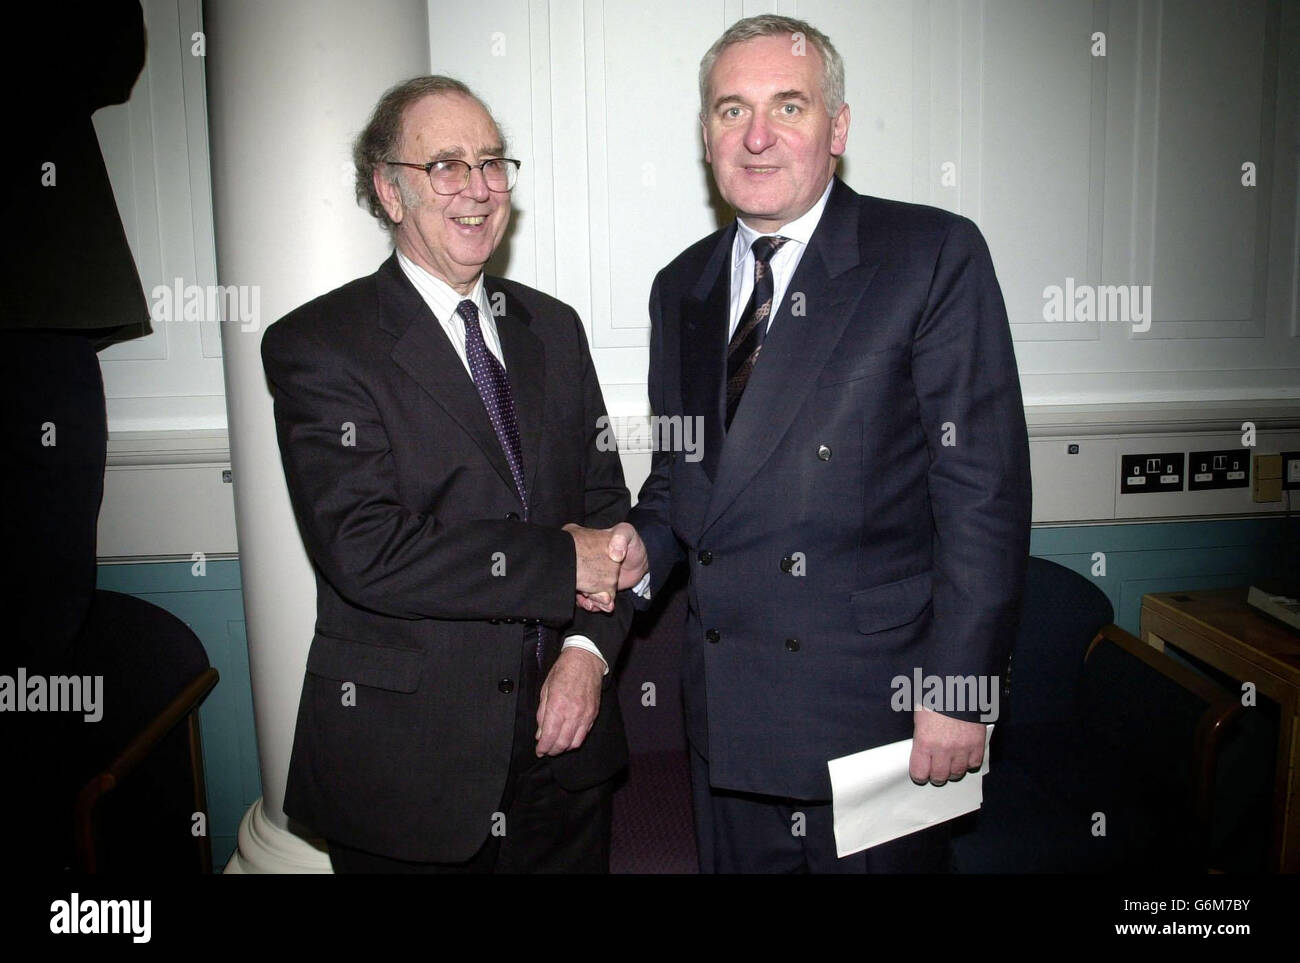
x,y
912,552
403,527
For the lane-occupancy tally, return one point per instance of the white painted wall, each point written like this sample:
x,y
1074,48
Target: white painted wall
x,y
1122,169
1109,170
156,149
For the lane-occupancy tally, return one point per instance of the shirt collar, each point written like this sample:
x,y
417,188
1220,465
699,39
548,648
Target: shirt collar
x,y
800,229
440,296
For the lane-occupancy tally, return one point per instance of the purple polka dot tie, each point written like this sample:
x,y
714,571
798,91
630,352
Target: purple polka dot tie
x,y
494,388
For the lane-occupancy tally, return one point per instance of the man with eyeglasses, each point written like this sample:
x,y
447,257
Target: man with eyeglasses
x,y
438,429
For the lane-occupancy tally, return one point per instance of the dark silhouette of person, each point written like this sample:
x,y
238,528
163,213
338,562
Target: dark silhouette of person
x,y
68,287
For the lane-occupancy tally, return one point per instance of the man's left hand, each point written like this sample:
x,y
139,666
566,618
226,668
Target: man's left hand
x,y
944,748
570,699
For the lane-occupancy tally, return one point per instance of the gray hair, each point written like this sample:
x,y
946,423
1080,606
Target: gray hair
x,y
382,137
771,25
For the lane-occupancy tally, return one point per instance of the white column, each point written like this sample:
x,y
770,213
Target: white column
x,y
289,85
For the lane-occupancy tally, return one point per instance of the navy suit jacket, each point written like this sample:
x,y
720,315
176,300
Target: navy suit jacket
x,y
867,513
427,577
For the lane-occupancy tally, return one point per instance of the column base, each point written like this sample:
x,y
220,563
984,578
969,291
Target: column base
x,y
265,847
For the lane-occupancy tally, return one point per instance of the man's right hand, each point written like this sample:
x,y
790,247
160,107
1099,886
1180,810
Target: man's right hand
x,y
624,546
597,576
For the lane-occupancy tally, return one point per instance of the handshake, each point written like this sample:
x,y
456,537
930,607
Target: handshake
x,y
609,560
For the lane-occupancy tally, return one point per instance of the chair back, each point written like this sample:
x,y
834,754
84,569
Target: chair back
x,y
1061,613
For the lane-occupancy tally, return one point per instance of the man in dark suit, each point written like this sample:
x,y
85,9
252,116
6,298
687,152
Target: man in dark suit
x,y
861,509
438,428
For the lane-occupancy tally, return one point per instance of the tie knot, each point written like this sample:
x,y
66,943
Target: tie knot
x,y
467,310
765,247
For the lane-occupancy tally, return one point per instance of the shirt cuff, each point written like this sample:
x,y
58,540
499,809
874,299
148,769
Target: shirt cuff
x,y
642,588
582,642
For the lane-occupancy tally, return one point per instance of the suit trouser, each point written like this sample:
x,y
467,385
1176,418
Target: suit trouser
x,y
740,832
53,439
548,829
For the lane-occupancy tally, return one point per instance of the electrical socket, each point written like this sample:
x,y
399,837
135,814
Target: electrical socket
x,y
1290,470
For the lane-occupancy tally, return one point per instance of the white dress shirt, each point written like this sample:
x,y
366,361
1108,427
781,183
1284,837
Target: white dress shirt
x,y
443,300
783,263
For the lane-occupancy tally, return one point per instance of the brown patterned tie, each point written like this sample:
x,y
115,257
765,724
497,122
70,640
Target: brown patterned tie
x,y
747,340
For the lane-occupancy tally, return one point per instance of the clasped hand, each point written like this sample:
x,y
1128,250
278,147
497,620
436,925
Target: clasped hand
x,y
609,560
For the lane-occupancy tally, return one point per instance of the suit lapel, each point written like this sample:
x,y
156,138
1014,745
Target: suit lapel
x,y
831,277
423,352
704,348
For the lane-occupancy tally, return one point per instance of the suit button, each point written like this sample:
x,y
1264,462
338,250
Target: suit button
x,y
705,557
506,686
512,516
508,621
494,621
787,563
528,621
713,635
823,453
792,645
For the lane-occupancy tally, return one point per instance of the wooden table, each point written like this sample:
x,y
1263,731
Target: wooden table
x,y
1219,628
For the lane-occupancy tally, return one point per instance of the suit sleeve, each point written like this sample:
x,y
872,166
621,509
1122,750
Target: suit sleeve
x,y
651,516
606,502
374,551
968,391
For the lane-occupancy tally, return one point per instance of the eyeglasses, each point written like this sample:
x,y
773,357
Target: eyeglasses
x,y
452,176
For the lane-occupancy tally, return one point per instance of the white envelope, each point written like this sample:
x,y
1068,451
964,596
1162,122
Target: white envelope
x,y
875,800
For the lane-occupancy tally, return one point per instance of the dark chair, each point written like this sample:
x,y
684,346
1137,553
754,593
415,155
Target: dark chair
x,y
1111,756
140,768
